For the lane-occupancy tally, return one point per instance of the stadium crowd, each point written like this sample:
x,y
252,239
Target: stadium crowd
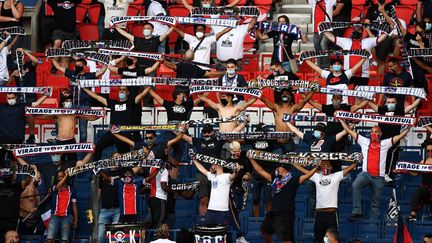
x,y
227,169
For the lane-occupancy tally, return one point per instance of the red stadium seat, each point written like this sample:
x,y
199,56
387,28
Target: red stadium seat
x,y
138,30
405,12
359,2
408,2
94,12
358,12
178,11
189,29
172,38
136,10
245,74
87,2
80,13
263,74
250,62
138,2
88,32
248,43
263,2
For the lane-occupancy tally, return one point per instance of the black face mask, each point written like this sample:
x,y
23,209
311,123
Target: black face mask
x,y
129,62
356,35
78,69
224,102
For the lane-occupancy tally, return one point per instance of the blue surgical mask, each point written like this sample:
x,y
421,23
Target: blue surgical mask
x,y
317,134
326,239
147,32
337,68
428,26
122,96
56,158
231,71
206,5
391,107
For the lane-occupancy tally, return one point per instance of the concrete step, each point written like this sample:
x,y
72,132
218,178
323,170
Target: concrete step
x,y
296,18
295,8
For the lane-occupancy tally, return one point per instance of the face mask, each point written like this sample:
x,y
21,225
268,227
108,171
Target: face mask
x,y
150,142
356,35
224,102
276,72
231,71
428,26
207,138
375,136
277,174
235,155
199,35
55,158
67,104
317,134
127,179
326,239
11,101
285,98
147,32
391,107
206,5
429,154
184,98
336,103
78,69
326,170
337,68
122,96
129,62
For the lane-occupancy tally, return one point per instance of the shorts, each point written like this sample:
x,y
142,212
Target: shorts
x,y
260,185
280,223
63,35
357,81
384,49
204,188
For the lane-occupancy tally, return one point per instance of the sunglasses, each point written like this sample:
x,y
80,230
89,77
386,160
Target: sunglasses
x,y
149,138
429,150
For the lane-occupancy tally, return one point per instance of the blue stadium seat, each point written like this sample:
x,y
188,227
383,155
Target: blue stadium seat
x,y
368,229
389,229
307,228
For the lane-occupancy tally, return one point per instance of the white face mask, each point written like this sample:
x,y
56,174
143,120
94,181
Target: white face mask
x,y
67,104
199,35
326,239
147,32
206,5
11,101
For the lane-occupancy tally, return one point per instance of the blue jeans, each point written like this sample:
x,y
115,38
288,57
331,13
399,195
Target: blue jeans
x,y
54,225
286,66
82,125
107,216
376,183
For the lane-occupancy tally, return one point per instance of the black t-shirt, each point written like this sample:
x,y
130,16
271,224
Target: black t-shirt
x,y
108,196
131,72
29,78
188,70
334,127
373,15
287,40
236,185
264,145
49,170
122,112
345,13
159,150
84,98
319,145
389,130
12,122
284,195
398,80
335,80
178,112
427,7
10,200
411,42
146,45
212,148
64,14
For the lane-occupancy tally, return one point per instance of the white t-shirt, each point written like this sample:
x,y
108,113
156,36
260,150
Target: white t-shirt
x,y
4,73
162,176
230,45
327,187
374,155
120,9
162,241
155,9
366,44
325,74
219,195
202,54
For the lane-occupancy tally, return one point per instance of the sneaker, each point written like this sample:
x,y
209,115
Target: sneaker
x,y
355,216
387,178
31,139
241,240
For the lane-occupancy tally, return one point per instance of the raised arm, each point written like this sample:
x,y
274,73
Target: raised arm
x,y
303,102
128,36
179,32
39,101
4,42
155,96
261,35
17,10
200,167
175,140
32,58
411,107
295,130
187,5
358,106
233,175
13,42
398,137
348,129
163,37
232,4
223,32
306,177
152,68
62,181
340,135
212,104
358,65
419,11
96,96
300,168
124,139
141,96
330,36
186,138
373,106
381,38
260,170
251,24
348,169
58,66
314,67
268,103
244,105
101,71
